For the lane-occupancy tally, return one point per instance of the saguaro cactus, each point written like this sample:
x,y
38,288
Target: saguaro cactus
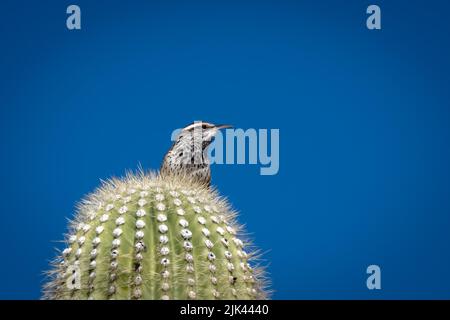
x,y
147,237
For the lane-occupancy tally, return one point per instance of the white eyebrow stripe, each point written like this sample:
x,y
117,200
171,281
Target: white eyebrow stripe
x,y
197,124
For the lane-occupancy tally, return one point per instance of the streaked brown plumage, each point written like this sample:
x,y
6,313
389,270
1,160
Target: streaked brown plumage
x,y
188,156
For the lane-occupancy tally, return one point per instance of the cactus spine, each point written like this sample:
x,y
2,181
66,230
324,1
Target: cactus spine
x,y
144,237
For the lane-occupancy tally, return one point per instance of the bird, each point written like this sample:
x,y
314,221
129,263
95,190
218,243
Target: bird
x,y
188,154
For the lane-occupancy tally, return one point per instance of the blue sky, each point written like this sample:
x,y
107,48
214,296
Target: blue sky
x,y
363,118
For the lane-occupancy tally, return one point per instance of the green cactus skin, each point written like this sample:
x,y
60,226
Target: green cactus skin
x,y
147,237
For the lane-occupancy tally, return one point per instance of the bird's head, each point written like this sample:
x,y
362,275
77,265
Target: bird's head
x,y
202,130
188,155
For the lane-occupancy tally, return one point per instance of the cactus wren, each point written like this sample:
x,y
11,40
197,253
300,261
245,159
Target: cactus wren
x,y
187,156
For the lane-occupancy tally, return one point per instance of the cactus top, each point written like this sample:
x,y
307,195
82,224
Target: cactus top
x,y
147,237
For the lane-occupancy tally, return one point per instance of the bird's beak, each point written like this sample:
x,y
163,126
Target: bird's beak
x,y
222,126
